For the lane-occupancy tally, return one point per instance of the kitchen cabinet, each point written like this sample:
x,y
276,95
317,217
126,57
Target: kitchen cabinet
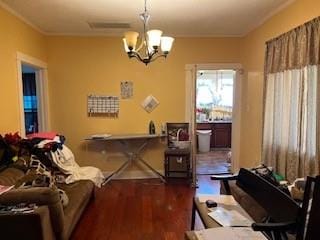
x,y
221,133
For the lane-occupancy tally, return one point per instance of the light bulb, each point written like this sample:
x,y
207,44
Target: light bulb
x,y
154,38
131,39
166,44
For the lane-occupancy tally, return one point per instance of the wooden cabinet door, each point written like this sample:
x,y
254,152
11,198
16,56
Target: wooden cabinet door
x,y
222,135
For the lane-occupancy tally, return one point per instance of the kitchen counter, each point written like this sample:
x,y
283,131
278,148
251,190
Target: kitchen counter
x,y
216,121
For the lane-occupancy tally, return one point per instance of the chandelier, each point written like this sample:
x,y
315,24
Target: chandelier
x,y
151,42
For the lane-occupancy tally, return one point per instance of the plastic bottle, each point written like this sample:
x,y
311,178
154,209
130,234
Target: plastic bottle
x,y
163,129
152,128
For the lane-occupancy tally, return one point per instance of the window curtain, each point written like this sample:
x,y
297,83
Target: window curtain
x,y
291,136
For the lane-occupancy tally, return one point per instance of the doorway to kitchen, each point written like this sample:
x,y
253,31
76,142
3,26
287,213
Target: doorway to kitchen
x,y
192,71
214,111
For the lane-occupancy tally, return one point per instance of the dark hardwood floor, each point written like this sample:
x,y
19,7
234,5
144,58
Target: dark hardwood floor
x,y
141,210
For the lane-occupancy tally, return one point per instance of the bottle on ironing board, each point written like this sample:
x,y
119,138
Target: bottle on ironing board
x,y
152,128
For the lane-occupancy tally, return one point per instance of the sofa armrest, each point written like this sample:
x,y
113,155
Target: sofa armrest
x,y
37,195
40,196
225,178
35,225
269,227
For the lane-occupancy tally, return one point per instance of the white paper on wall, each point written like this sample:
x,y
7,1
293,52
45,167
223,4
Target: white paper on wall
x,y
150,103
126,89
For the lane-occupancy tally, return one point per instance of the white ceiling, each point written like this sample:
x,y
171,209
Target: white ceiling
x,y
174,17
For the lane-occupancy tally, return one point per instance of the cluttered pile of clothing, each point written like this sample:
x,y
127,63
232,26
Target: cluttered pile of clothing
x,y
46,161
56,156
49,154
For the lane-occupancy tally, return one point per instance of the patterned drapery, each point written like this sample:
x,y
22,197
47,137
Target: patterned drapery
x,y
291,136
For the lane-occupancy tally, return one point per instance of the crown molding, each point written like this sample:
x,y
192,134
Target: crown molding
x,y
104,34
20,17
267,17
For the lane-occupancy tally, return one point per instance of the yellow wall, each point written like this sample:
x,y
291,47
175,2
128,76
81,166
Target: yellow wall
x,y
14,36
79,66
296,14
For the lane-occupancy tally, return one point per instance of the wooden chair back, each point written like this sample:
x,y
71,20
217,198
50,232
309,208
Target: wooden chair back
x,y
308,228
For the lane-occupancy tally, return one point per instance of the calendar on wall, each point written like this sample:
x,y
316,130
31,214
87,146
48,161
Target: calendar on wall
x,y
103,105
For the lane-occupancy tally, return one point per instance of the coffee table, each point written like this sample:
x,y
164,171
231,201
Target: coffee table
x,y
207,221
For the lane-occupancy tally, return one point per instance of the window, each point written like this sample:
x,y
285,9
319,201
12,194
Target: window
x,y
215,88
215,94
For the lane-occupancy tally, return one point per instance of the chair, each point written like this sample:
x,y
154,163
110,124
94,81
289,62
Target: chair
x,y
308,228
176,157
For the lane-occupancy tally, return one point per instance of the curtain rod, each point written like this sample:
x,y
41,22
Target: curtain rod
x,y
294,29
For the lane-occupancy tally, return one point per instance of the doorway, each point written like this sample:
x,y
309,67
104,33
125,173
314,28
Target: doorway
x,y
33,94
191,71
214,107
30,99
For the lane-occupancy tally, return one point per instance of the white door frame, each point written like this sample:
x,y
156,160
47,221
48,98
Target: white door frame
x,y
42,91
190,108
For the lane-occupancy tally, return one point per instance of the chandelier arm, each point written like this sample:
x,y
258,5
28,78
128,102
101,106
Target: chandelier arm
x,y
154,53
160,55
136,55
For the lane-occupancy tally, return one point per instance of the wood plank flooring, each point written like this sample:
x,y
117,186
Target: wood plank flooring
x,y
140,210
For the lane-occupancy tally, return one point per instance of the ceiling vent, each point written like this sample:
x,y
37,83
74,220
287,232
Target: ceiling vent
x,y
108,25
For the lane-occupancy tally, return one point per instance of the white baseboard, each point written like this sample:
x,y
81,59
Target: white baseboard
x,y
134,174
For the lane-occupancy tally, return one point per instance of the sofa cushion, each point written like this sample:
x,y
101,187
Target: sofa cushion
x,y
79,194
10,175
250,205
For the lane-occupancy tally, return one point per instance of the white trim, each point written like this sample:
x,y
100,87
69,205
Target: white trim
x,y
214,66
190,99
20,97
37,63
19,16
134,174
190,107
236,121
42,91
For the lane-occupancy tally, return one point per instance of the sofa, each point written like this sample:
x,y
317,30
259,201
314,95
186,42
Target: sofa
x,y
50,220
255,211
